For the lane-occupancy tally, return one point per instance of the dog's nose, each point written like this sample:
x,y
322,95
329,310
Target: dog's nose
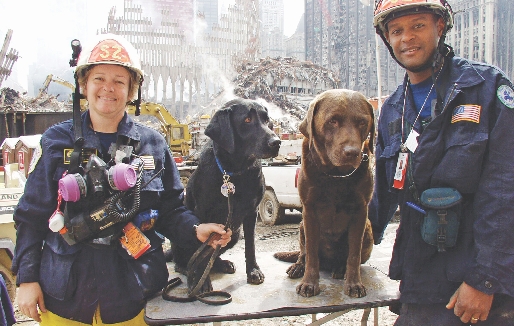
x,y
274,142
351,153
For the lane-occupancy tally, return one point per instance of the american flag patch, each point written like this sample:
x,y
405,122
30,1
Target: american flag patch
x,y
149,163
468,112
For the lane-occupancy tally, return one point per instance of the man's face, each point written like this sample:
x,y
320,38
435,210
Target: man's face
x,y
414,38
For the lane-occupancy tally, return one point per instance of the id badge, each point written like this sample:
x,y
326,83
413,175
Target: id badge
x,y
401,171
134,241
412,141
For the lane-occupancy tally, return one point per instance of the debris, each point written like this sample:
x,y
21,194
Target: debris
x,y
13,101
288,83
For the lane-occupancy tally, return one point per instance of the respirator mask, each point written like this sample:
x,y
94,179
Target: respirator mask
x,y
97,200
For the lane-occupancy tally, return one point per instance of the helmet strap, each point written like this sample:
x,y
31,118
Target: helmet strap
x,y
443,50
75,158
137,102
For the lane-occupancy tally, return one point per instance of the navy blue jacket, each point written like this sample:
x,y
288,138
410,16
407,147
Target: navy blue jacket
x,y
76,279
476,158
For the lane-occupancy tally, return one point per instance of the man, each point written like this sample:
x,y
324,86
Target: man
x,y
444,156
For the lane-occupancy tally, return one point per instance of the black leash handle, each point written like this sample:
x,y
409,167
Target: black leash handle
x,y
198,257
203,297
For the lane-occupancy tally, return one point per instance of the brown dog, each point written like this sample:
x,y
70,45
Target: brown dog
x,y
335,186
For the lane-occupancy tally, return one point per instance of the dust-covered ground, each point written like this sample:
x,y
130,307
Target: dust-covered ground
x,y
284,237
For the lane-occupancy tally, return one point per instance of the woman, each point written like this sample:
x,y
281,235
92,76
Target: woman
x,y
99,256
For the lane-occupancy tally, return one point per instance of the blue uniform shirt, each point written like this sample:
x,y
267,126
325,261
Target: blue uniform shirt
x,y
76,279
470,147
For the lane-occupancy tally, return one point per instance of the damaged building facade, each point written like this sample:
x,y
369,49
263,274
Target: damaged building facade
x,y
184,65
339,35
482,31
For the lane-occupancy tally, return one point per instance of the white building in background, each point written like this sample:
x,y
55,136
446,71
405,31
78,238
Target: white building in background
x,y
272,28
184,68
295,44
208,9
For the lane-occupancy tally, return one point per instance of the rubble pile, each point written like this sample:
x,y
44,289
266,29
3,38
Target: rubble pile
x,y
277,80
13,101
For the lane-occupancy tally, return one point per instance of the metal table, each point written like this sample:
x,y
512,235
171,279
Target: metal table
x,y
276,297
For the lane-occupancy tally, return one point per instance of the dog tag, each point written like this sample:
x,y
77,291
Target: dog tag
x,y
401,171
226,187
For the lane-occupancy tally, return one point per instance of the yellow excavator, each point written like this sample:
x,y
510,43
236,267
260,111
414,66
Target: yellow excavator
x,y
177,134
51,78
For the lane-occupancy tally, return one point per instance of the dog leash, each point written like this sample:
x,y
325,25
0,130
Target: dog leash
x,y
194,282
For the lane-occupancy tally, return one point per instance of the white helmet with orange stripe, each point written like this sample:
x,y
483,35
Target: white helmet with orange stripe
x,y
387,10
110,49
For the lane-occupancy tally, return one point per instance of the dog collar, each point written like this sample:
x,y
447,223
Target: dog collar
x,y
221,168
364,158
231,174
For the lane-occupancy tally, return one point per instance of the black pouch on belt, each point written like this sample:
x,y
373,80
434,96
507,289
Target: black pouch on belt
x,y
441,223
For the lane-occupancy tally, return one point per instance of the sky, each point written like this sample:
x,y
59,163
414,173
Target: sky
x,y
44,28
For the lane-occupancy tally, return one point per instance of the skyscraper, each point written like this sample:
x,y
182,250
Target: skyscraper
x,y
483,31
272,28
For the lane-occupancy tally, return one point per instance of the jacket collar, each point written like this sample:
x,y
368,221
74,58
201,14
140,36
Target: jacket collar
x,y
127,127
457,71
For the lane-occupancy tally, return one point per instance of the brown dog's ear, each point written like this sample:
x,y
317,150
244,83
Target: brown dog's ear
x,y
372,129
220,130
307,125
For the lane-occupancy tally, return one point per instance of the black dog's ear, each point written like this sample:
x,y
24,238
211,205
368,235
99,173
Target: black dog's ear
x,y
220,130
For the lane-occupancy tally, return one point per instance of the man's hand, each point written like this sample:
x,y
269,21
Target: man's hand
x,y
29,298
470,304
222,238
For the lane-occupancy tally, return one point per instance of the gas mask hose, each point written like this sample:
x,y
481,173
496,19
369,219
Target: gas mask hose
x,y
113,207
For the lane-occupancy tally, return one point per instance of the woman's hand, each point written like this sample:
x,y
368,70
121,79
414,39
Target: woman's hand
x,y
222,237
29,297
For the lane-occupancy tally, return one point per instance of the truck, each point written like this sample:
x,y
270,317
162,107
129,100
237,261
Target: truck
x,y
281,180
281,192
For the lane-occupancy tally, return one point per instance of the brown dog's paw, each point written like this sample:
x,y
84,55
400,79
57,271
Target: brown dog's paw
x,y
296,270
255,277
354,290
308,289
223,266
287,256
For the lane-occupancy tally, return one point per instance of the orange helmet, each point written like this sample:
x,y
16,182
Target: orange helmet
x,y
386,10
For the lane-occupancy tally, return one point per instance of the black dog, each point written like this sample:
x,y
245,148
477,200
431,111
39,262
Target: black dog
x,y
240,137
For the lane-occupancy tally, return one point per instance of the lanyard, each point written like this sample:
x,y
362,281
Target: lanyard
x,y
403,147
